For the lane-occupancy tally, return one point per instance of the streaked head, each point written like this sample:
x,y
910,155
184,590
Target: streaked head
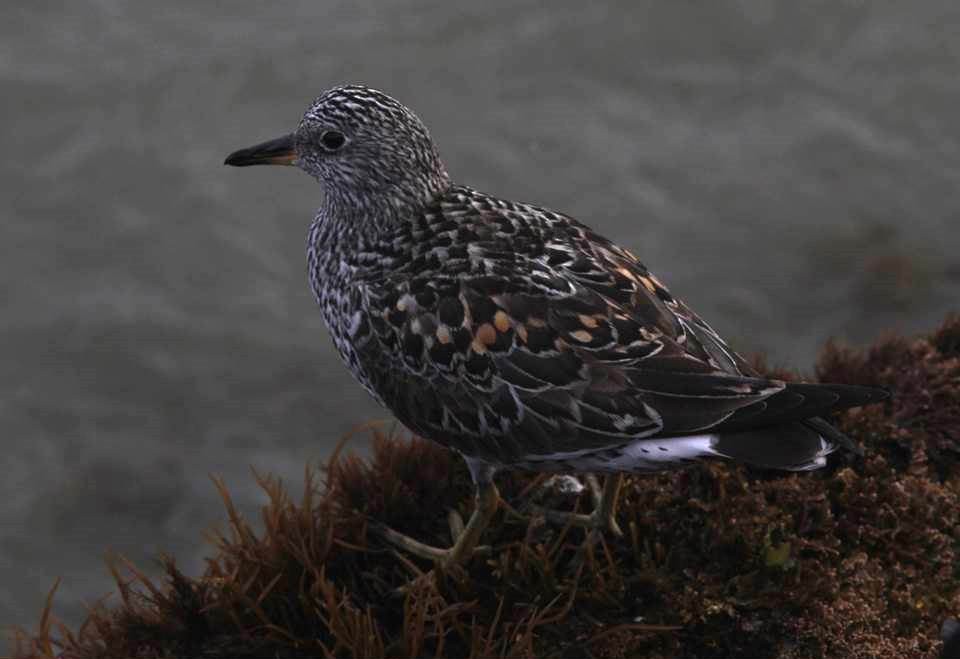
x,y
362,145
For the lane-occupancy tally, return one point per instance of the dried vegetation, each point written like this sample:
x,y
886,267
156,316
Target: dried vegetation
x,y
856,560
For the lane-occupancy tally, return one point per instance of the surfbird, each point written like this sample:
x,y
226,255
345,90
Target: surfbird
x,y
514,334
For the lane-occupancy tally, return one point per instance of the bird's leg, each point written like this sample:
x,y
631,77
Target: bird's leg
x,y
466,537
466,542
605,505
604,512
456,524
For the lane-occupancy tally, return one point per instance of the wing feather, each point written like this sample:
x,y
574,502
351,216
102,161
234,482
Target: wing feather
x,y
541,337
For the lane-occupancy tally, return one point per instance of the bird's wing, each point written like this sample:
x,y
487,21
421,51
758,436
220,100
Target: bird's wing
x,y
626,283
592,261
510,339
500,368
521,335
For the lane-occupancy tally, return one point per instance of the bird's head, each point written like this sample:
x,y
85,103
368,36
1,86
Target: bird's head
x,y
362,145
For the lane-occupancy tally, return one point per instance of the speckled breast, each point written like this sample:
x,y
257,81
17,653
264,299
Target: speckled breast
x,y
332,282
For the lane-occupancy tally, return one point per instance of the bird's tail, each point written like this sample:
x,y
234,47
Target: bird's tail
x,y
796,446
792,446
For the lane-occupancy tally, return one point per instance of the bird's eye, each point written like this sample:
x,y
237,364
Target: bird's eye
x,y
332,140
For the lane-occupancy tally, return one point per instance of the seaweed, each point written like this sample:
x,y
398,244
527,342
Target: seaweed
x,y
856,560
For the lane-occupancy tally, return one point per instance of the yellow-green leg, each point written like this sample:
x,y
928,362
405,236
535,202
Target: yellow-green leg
x,y
603,517
465,538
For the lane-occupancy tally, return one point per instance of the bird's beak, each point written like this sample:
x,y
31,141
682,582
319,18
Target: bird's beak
x,y
272,152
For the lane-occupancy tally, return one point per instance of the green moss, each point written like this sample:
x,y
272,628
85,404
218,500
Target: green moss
x,y
856,560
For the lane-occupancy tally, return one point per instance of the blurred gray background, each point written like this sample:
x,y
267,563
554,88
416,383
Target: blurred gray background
x,y
790,169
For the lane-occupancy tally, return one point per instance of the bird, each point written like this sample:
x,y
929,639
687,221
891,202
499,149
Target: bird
x,y
516,335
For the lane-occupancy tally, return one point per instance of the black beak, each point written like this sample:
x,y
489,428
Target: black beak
x,y
273,152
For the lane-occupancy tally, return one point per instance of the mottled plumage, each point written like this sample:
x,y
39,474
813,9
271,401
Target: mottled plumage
x,y
515,334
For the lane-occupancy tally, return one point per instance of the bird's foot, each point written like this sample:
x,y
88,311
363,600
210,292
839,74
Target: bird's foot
x,y
603,518
457,553
595,521
466,538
